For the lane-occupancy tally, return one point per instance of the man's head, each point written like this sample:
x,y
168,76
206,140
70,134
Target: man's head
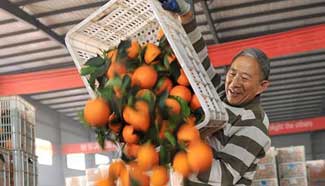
x,y
247,76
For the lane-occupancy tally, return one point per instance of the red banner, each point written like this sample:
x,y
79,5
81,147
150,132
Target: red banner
x,y
297,126
274,45
41,81
87,148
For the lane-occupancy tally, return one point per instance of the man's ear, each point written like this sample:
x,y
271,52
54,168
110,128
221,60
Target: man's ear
x,y
263,86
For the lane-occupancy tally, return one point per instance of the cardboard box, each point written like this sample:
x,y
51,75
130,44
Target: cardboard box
x,y
302,181
291,154
288,170
316,169
317,183
269,156
265,182
265,171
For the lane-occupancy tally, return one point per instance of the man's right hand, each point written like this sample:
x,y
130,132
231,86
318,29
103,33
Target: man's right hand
x,y
181,7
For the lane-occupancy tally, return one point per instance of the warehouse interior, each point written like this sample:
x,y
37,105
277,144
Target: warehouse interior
x,y
36,65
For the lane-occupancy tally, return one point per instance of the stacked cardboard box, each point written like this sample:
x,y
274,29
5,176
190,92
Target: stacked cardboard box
x,y
266,171
292,166
316,172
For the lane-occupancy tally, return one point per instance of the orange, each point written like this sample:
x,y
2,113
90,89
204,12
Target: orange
x,y
181,165
105,182
151,53
138,117
171,58
160,34
173,105
125,178
181,91
142,106
163,129
139,175
112,55
147,156
96,112
115,127
128,135
182,79
199,156
131,150
145,77
195,104
188,133
145,93
159,176
116,69
115,169
133,51
163,84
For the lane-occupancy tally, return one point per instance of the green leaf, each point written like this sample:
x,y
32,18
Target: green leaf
x,y
100,71
166,63
100,132
115,82
91,81
107,93
126,84
141,55
122,49
131,65
174,70
199,115
95,61
163,155
162,98
175,121
160,68
163,43
131,100
102,81
87,70
134,182
185,109
170,138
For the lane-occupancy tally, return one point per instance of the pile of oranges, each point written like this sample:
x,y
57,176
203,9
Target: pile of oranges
x,y
145,102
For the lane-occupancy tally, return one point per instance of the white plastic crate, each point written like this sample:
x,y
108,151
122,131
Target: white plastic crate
x,y
266,182
4,167
17,124
23,168
295,169
298,181
141,19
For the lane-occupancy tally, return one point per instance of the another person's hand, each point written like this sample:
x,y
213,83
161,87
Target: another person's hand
x,y
181,7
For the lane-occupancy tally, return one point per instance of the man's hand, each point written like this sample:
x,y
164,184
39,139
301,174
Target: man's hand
x,y
181,7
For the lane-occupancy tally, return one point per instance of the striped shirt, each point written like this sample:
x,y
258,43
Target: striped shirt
x,y
244,139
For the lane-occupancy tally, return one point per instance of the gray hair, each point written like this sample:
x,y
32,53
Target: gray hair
x,y
260,57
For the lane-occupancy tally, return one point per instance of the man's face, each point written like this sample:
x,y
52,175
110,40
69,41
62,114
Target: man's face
x,y
244,81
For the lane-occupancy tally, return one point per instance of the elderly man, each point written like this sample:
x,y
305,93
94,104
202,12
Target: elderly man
x,y
244,140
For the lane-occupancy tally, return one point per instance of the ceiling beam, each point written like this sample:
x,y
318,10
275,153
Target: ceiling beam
x,y
70,9
68,23
22,15
207,14
27,2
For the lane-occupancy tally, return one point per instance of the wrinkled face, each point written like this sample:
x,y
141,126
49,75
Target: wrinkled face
x,y
244,81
